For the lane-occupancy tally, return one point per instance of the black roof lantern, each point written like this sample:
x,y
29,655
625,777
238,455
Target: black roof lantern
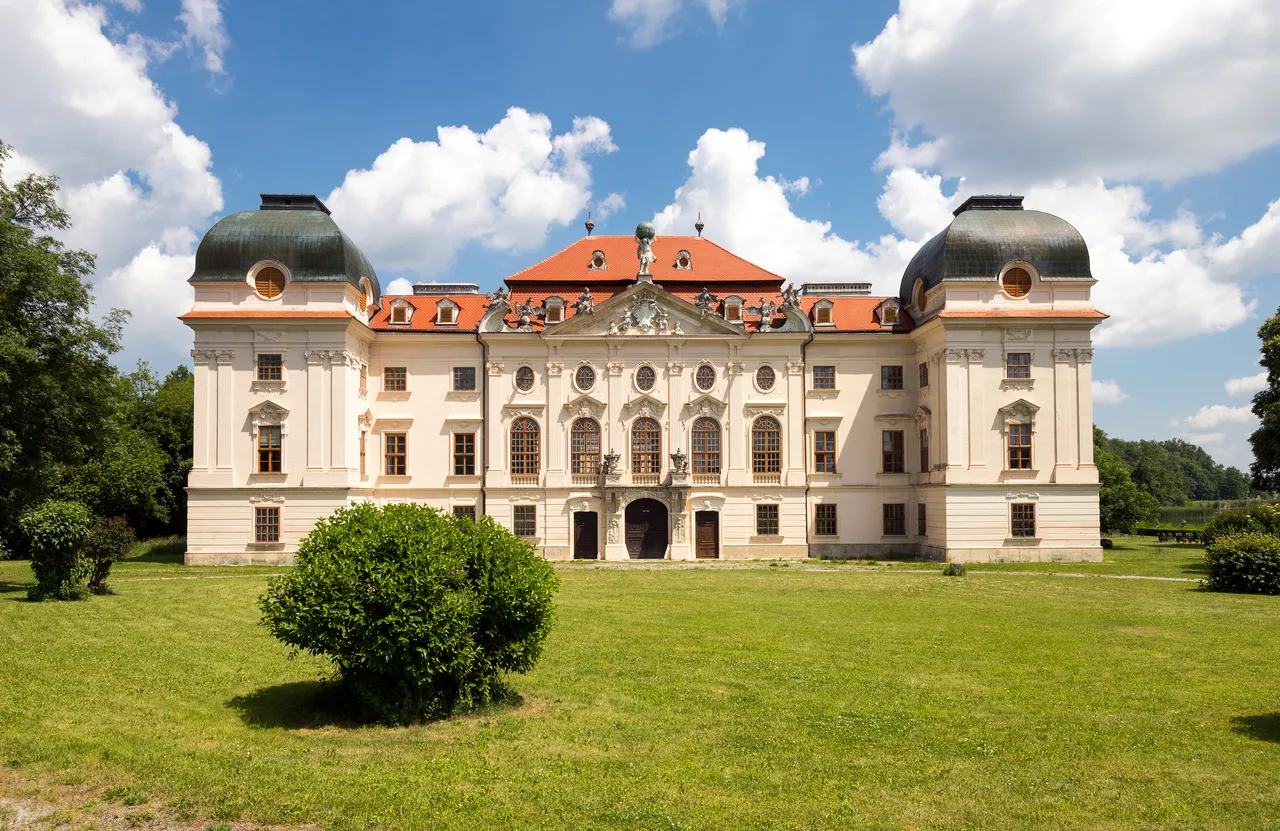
x,y
291,202
990,202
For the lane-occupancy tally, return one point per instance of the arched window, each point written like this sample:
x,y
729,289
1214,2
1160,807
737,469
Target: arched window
x,y
706,446
766,445
584,446
646,446
269,281
525,447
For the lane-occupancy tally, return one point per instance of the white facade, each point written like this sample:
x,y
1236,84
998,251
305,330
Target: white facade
x,y
643,345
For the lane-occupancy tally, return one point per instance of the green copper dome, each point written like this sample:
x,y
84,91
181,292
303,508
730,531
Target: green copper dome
x,y
293,229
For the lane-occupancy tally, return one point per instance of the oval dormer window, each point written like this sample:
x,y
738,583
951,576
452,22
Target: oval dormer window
x,y
598,261
646,378
524,378
683,262
1016,282
269,281
584,379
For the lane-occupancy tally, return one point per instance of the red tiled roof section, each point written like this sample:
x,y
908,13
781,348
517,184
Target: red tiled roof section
x,y
709,264
471,307
855,314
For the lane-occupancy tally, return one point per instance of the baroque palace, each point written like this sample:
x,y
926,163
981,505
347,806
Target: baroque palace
x,y
655,397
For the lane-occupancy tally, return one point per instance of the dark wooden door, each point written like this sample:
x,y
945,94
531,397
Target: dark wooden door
x,y
647,529
707,534
586,535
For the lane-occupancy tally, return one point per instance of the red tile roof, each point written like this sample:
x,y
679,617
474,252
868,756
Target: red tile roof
x,y
471,307
709,264
855,314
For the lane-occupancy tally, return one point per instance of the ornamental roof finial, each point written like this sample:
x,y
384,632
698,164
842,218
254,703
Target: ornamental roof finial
x,y
699,225
591,226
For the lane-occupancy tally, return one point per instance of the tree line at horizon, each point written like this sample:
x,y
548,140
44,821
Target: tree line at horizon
x,y
74,427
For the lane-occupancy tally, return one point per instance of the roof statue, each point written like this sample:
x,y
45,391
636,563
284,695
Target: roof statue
x,y
645,235
790,297
586,302
705,300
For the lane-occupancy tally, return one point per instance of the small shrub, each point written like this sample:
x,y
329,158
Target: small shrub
x,y
1247,563
107,542
57,530
1254,517
954,570
421,614
1107,544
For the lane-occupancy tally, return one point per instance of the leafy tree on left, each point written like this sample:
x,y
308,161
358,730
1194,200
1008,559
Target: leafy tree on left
x,y
57,385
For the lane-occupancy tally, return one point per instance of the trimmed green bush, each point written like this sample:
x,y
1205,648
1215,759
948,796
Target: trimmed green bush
x,y
1107,544
422,614
108,542
57,529
1254,517
954,570
1246,562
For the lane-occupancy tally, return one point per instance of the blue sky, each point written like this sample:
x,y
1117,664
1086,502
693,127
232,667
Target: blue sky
x,y
824,140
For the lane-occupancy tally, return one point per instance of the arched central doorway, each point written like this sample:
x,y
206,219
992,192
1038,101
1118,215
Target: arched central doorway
x,y
647,529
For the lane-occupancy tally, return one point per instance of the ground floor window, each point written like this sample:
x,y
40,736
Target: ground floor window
x,y
895,520
1024,520
922,524
525,520
467,511
824,520
266,525
767,520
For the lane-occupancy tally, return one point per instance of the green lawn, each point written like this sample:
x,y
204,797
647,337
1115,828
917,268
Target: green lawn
x,y
687,698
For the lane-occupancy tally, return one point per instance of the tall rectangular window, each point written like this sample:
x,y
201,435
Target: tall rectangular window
x,y
892,444
269,450
1019,447
397,454
924,450
1023,520
465,511
767,520
464,454
524,520
395,379
890,377
1017,365
270,367
363,437
824,451
464,378
824,520
922,525
924,375
824,377
364,379
266,525
895,520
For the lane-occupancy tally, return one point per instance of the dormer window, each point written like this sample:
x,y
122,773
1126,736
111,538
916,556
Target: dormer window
x,y
822,313
889,313
919,295
1016,282
401,313
555,309
683,261
366,295
446,313
733,309
598,262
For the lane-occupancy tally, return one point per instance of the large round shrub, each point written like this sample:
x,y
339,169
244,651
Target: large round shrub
x,y
1246,562
57,529
1253,517
421,613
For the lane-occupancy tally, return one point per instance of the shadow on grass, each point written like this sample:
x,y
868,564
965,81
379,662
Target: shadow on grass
x,y
1264,728
11,588
295,706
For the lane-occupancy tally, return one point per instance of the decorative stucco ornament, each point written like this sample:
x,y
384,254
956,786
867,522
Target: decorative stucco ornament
x,y
680,462
645,235
609,463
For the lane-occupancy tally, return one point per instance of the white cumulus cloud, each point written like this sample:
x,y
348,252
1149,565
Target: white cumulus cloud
x,y
136,184
1128,97
650,20
1218,415
419,202
203,29
1246,385
1108,392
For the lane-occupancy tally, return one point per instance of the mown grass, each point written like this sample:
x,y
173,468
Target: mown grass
x,y
715,698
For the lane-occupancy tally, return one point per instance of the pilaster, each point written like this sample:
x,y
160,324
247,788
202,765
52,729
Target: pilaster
x,y
976,417
735,426
316,359
226,415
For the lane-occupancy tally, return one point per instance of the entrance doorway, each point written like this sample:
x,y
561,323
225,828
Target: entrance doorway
x,y
706,537
586,535
647,529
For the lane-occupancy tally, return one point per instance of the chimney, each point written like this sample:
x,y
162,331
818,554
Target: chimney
x,y
990,202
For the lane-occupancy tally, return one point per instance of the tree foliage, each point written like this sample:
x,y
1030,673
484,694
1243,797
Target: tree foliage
x,y
1266,406
105,544
57,529
1123,503
421,614
1175,471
